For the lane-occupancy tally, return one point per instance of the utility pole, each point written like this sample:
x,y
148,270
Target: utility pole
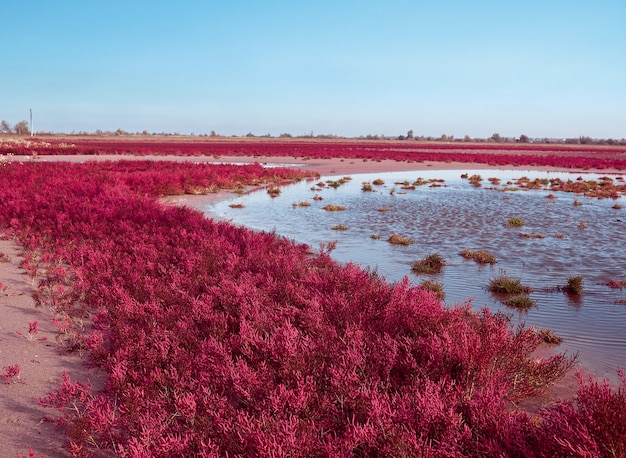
x,y
31,122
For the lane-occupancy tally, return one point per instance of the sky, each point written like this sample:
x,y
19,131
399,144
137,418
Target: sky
x,y
540,68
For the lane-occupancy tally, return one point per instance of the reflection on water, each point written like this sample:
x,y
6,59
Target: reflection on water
x,y
586,240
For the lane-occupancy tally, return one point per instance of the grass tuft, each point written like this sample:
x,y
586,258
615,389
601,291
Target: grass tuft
x,y
435,287
481,257
396,239
431,264
534,235
334,208
574,285
520,302
507,285
273,191
304,203
549,337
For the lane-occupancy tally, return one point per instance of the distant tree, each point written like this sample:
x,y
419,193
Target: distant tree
x,y
467,138
409,134
5,127
213,134
496,138
285,135
21,128
524,138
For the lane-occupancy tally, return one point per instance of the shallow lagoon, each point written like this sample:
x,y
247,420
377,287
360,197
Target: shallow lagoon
x,y
457,215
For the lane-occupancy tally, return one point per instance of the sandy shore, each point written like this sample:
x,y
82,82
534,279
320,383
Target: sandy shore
x,y
41,365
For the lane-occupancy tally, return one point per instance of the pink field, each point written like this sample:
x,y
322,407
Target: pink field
x,y
215,340
494,154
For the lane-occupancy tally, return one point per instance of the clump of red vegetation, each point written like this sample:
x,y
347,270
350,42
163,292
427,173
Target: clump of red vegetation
x,y
218,341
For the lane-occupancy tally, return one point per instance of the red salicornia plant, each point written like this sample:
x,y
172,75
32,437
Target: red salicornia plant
x,y
220,341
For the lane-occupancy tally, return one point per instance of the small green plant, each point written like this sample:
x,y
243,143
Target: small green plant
x,y
507,285
367,187
431,264
340,227
515,222
577,202
334,208
520,302
396,239
378,182
375,236
617,206
435,287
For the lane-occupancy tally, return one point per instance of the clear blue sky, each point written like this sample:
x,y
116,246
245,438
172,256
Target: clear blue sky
x,y
544,68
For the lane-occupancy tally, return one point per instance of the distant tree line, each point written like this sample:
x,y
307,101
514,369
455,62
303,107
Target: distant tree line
x,y
22,128
497,138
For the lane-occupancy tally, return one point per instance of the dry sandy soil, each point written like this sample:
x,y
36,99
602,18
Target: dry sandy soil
x,y
41,365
